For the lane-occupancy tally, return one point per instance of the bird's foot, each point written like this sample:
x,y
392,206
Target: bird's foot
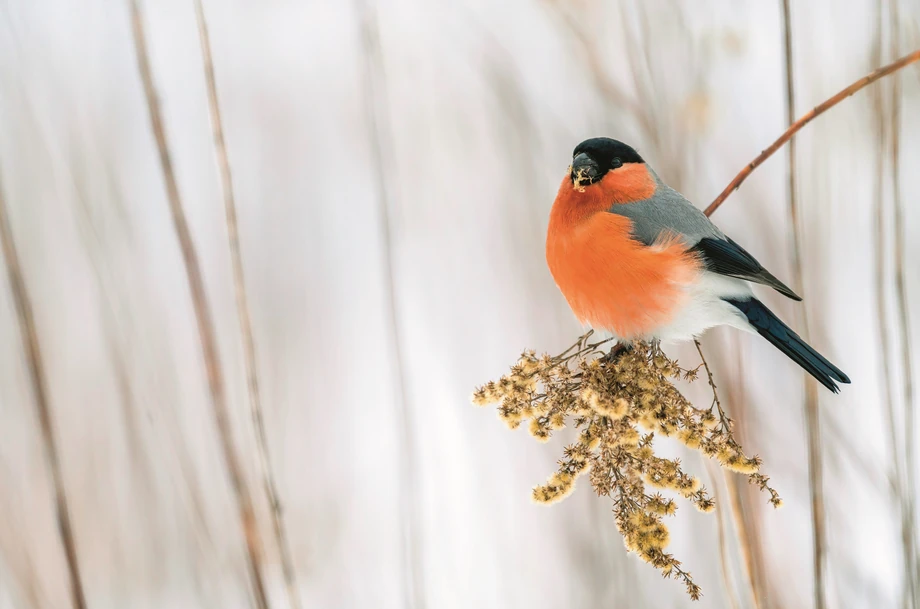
x,y
616,351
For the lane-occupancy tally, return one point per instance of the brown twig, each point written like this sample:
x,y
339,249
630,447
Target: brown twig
x,y
807,118
712,382
815,463
32,348
790,118
901,300
732,490
203,318
747,553
897,476
242,308
812,414
723,533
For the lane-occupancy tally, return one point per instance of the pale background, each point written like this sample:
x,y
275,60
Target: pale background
x,y
476,106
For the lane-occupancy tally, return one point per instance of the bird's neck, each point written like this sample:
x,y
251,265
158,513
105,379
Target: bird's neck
x,y
627,184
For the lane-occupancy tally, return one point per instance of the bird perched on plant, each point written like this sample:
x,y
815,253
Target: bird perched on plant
x,y
633,257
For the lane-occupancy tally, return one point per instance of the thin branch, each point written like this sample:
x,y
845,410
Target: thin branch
x,y
898,476
32,348
242,308
790,118
712,382
747,553
723,533
907,370
812,414
816,487
735,497
203,318
807,118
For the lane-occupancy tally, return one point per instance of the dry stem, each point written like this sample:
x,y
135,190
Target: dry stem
x,y
242,308
714,472
32,348
738,513
907,370
203,318
812,414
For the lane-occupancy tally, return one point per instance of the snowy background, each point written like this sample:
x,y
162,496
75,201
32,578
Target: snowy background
x,y
394,165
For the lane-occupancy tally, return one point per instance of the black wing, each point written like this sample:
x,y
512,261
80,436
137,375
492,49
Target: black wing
x,y
783,338
725,257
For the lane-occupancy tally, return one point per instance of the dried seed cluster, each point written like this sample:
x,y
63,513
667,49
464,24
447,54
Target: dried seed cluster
x,y
618,401
580,179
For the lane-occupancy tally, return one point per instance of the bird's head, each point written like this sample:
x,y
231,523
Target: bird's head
x,y
597,157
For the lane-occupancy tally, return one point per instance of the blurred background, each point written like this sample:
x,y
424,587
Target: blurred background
x,y
394,163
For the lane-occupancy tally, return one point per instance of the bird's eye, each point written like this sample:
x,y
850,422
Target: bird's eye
x,y
616,162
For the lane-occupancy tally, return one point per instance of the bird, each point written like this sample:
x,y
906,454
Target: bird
x,y
633,257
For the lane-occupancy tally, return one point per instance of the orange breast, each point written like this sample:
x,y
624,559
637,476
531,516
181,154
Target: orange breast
x,y
610,280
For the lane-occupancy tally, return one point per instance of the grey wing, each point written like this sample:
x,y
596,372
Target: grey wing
x,y
668,212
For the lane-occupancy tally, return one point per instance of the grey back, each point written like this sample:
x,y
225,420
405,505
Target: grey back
x,y
667,211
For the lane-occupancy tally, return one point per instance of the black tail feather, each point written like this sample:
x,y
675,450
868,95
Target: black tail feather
x,y
783,338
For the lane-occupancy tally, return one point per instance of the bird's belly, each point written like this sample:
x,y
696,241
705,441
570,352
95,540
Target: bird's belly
x,y
705,308
615,283
626,316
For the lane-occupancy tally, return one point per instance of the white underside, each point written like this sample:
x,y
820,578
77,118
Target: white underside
x,y
705,308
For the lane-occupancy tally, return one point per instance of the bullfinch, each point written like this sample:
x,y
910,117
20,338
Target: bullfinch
x,y
635,258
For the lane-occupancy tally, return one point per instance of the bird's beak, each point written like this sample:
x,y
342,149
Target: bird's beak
x,y
584,170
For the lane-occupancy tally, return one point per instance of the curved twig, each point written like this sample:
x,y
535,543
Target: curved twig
x,y
807,118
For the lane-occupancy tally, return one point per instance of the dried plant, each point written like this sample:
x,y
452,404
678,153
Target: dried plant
x,y
812,414
203,317
269,486
39,378
724,559
619,400
903,313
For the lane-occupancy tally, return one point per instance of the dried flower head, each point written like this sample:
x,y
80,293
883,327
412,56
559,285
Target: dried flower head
x,y
618,401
